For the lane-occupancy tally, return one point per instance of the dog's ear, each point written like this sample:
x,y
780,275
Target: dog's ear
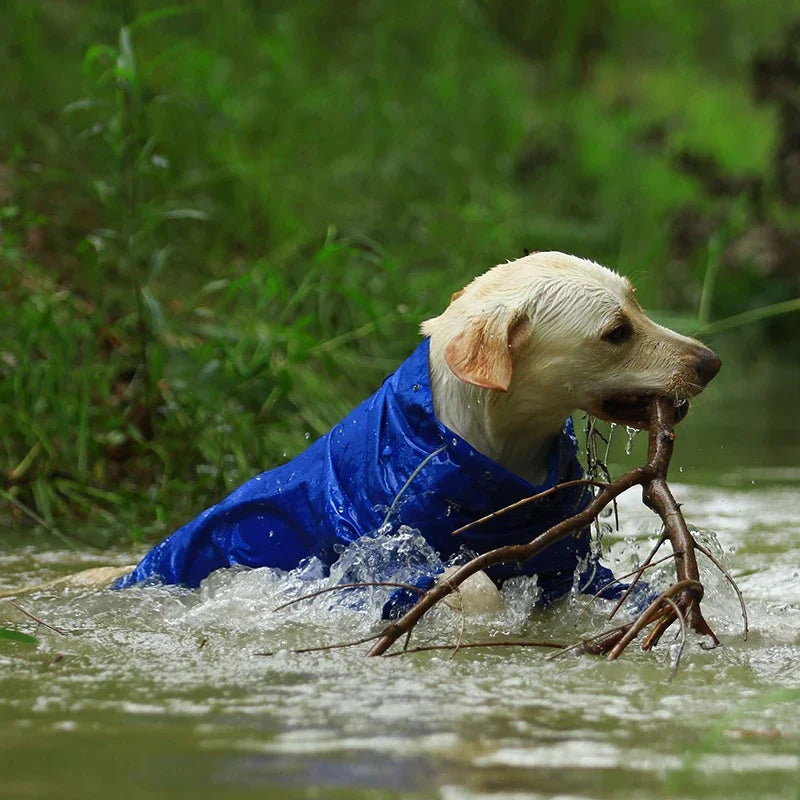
x,y
482,353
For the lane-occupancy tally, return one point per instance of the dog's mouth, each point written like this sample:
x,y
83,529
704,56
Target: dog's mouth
x,y
633,409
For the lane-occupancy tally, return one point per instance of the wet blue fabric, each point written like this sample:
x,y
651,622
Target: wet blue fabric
x,y
352,481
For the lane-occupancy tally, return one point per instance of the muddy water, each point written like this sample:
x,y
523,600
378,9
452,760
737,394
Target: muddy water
x,y
161,693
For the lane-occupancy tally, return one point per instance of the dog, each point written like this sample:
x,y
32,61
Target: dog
x,y
475,419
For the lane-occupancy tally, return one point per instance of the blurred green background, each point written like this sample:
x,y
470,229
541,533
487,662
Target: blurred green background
x,y
221,223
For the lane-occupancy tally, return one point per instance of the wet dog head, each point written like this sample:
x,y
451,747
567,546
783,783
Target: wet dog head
x,y
552,333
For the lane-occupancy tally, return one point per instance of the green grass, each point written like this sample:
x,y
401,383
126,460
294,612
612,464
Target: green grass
x,y
221,228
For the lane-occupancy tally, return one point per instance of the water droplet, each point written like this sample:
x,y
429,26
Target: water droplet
x,y
487,475
416,387
454,442
631,433
386,452
306,435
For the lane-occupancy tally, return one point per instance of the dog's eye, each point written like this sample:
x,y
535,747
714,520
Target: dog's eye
x,y
619,334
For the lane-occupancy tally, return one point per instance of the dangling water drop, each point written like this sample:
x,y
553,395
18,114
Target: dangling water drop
x,y
631,433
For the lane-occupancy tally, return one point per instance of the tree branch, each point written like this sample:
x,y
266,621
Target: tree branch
x,y
681,601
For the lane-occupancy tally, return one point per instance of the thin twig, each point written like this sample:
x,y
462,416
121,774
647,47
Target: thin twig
x,y
644,566
650,614
531,499
721,567
677,659
461,628
595,464
360,585
408,483
37,620
465,645
638,572
320,647
584,644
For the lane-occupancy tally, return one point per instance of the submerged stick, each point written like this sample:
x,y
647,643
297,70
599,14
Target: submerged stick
x,y
464,645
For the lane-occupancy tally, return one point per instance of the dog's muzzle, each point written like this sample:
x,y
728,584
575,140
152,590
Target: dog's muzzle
x,y
633,408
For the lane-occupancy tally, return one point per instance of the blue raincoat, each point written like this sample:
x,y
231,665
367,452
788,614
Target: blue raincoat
x,y
352,482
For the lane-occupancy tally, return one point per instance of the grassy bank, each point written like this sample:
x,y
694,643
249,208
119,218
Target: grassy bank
x,y
221,226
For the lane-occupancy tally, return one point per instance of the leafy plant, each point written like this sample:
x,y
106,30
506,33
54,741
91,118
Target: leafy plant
x,y
9,635
701,324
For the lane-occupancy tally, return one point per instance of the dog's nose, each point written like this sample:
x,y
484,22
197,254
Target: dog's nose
x,y
707,365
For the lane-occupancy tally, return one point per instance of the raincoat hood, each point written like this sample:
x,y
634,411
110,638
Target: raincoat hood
x,y
390,462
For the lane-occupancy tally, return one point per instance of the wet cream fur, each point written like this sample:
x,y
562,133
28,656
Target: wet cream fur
x,y
521,347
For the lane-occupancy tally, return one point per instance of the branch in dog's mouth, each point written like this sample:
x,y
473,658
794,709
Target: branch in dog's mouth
x,y
633,409
681,602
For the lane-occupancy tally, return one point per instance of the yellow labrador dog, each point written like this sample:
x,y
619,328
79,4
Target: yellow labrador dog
x,y
528,342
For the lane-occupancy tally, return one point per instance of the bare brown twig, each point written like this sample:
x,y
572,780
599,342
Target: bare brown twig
x,y
635,574
465,645
37,620
677,659
728,577
647,562
322,647
362,585
532,499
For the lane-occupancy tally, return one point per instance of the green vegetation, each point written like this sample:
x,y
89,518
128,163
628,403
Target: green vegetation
x,y
221,223
16,636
